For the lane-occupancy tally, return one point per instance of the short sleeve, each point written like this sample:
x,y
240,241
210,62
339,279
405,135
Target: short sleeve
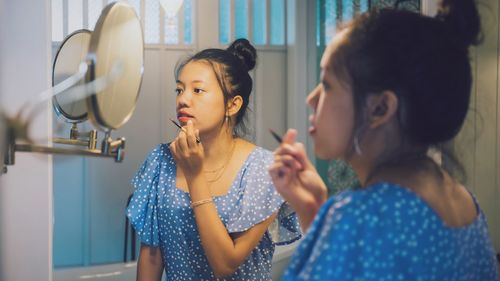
x,y
258,200
142,210
329,252
286,228
387,232
351,239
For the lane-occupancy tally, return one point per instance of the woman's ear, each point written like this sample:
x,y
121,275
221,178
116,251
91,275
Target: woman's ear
x,y
381,108
234,105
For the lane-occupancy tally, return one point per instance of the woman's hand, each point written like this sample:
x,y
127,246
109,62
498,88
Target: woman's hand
x,y
297,180
187,152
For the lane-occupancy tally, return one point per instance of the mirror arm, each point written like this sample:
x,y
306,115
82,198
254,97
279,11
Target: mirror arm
x,y
115,148
110,148
88,139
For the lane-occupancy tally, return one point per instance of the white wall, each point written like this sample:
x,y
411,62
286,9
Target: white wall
x,y
26,190
479,141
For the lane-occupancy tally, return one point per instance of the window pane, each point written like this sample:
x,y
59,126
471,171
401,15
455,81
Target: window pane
x,y
95,7
347,10
259,22
330,20
188,18
137,6
152,22
318,22
57,22
224,21
277,22
75,15
240,19
172,30
363,6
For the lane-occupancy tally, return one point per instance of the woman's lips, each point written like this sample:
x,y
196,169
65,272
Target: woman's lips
x,y
184,118
312,128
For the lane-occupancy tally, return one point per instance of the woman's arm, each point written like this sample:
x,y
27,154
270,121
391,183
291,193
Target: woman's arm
x,y
224,253
150,264
297,180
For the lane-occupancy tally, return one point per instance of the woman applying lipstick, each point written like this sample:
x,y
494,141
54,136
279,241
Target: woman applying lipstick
x,y
385,80
203,203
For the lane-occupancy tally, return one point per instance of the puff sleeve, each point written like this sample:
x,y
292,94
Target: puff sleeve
x,y
142,210
258,200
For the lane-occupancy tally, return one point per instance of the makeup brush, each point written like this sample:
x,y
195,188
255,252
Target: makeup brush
x,y
280,140
276,136
184,130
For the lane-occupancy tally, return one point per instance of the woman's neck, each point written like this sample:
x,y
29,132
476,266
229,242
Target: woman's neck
x,y
375,166
217,145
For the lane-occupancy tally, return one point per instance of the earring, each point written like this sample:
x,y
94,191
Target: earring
x,y
357,148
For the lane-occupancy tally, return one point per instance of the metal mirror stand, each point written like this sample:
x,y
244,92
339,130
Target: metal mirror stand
x,y
117,26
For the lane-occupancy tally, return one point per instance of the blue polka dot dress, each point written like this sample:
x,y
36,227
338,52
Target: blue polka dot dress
x,y
387,232
162,216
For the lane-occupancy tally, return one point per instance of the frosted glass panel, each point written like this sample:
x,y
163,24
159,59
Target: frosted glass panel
x,y
347,10
137,6
277,22
319,22
224,21
188,22
240,19
259,22
330,20
57,20
171,30
363,6
75,15
152,22
95,8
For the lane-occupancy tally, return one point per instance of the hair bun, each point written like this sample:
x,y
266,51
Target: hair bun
x,y
462,17
245,52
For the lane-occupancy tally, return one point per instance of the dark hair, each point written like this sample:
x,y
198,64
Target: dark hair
x,y
231,67
423,60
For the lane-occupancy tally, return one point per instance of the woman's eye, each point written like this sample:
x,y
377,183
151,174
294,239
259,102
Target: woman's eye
x,y
178,91
198,90
326,86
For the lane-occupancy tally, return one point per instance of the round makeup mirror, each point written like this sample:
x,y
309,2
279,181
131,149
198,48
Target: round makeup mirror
x,y
70,54
116,40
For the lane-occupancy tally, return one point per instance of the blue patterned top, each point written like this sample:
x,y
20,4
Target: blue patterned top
x,y
387,232
162,216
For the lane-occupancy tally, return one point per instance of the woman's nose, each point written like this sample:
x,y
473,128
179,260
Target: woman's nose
x,y
183,98
312,98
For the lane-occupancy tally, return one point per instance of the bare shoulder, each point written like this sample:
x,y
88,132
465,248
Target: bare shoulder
x,y
451,200
244,147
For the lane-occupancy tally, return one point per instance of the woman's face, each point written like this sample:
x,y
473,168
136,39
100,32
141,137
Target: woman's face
x,y
332,120
199,97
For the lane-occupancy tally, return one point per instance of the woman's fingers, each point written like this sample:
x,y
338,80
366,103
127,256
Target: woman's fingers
x,y
291,150
197,135
297,150
174,149
289,161
190,135
290,136
280,174
182,145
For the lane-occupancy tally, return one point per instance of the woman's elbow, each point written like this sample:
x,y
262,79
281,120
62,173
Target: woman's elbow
x,y
224,270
